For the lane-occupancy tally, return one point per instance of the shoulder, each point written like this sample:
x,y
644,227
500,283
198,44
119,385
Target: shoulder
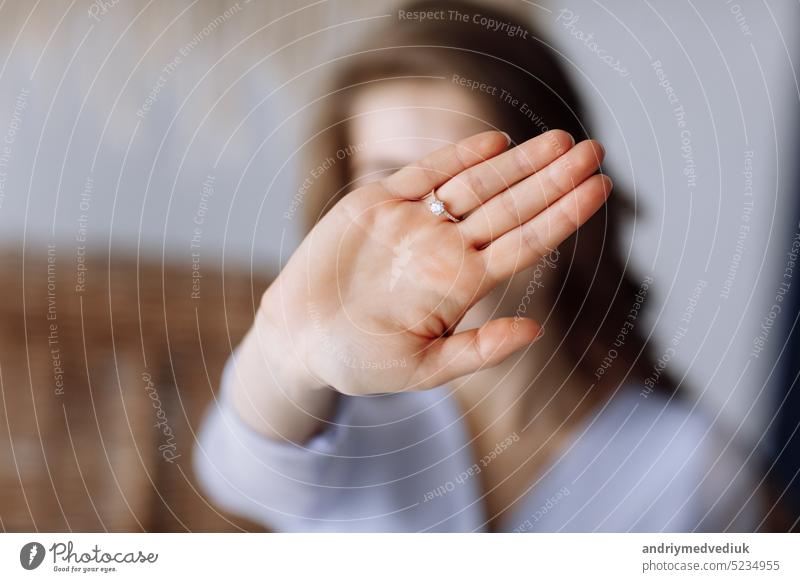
x,y
659,419
683,435
662,463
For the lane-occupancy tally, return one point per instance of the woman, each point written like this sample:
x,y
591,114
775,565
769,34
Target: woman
x,y
397,377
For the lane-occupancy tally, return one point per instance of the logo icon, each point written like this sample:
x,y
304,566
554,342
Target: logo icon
x,y
31,555
402,256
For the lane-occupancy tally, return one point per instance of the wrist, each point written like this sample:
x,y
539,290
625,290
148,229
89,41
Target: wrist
x,y
272,393
281,353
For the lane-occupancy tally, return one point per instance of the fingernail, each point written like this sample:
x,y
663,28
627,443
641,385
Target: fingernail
x,y
540,334
508,137
571,137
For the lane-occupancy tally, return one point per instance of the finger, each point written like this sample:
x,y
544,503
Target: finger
x,y
418,179
472,187
469,351
527,198
522,247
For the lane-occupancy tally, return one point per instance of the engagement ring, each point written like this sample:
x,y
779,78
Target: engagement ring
x,y
438,208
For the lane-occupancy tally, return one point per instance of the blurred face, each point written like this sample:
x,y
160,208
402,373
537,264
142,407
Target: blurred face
x,y
396,123
399,122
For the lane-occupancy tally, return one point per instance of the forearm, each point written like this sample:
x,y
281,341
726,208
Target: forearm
x,y
273,393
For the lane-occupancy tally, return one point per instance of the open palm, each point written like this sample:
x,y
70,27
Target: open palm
x,y
369,300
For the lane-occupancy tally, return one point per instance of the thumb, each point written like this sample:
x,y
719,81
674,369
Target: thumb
x,y
451,357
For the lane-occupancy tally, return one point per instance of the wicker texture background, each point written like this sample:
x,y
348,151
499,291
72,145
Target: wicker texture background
x,y
89,459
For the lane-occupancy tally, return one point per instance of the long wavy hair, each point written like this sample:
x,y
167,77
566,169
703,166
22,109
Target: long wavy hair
x,y
597,302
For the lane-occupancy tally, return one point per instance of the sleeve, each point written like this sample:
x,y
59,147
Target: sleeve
x,y
281,484
731,495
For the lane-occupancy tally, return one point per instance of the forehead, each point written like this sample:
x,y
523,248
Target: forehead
x,y
398,119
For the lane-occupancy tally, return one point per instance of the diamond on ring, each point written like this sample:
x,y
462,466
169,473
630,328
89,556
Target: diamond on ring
x,y
438,208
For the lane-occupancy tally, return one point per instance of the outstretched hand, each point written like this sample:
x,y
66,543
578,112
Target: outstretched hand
x,y
369,301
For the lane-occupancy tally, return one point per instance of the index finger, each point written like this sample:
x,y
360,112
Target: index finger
x,y
416,180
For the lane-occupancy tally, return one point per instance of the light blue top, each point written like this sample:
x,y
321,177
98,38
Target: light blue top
x,y
403,463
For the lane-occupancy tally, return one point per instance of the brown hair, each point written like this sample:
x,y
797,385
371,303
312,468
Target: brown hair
x,y
594,293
